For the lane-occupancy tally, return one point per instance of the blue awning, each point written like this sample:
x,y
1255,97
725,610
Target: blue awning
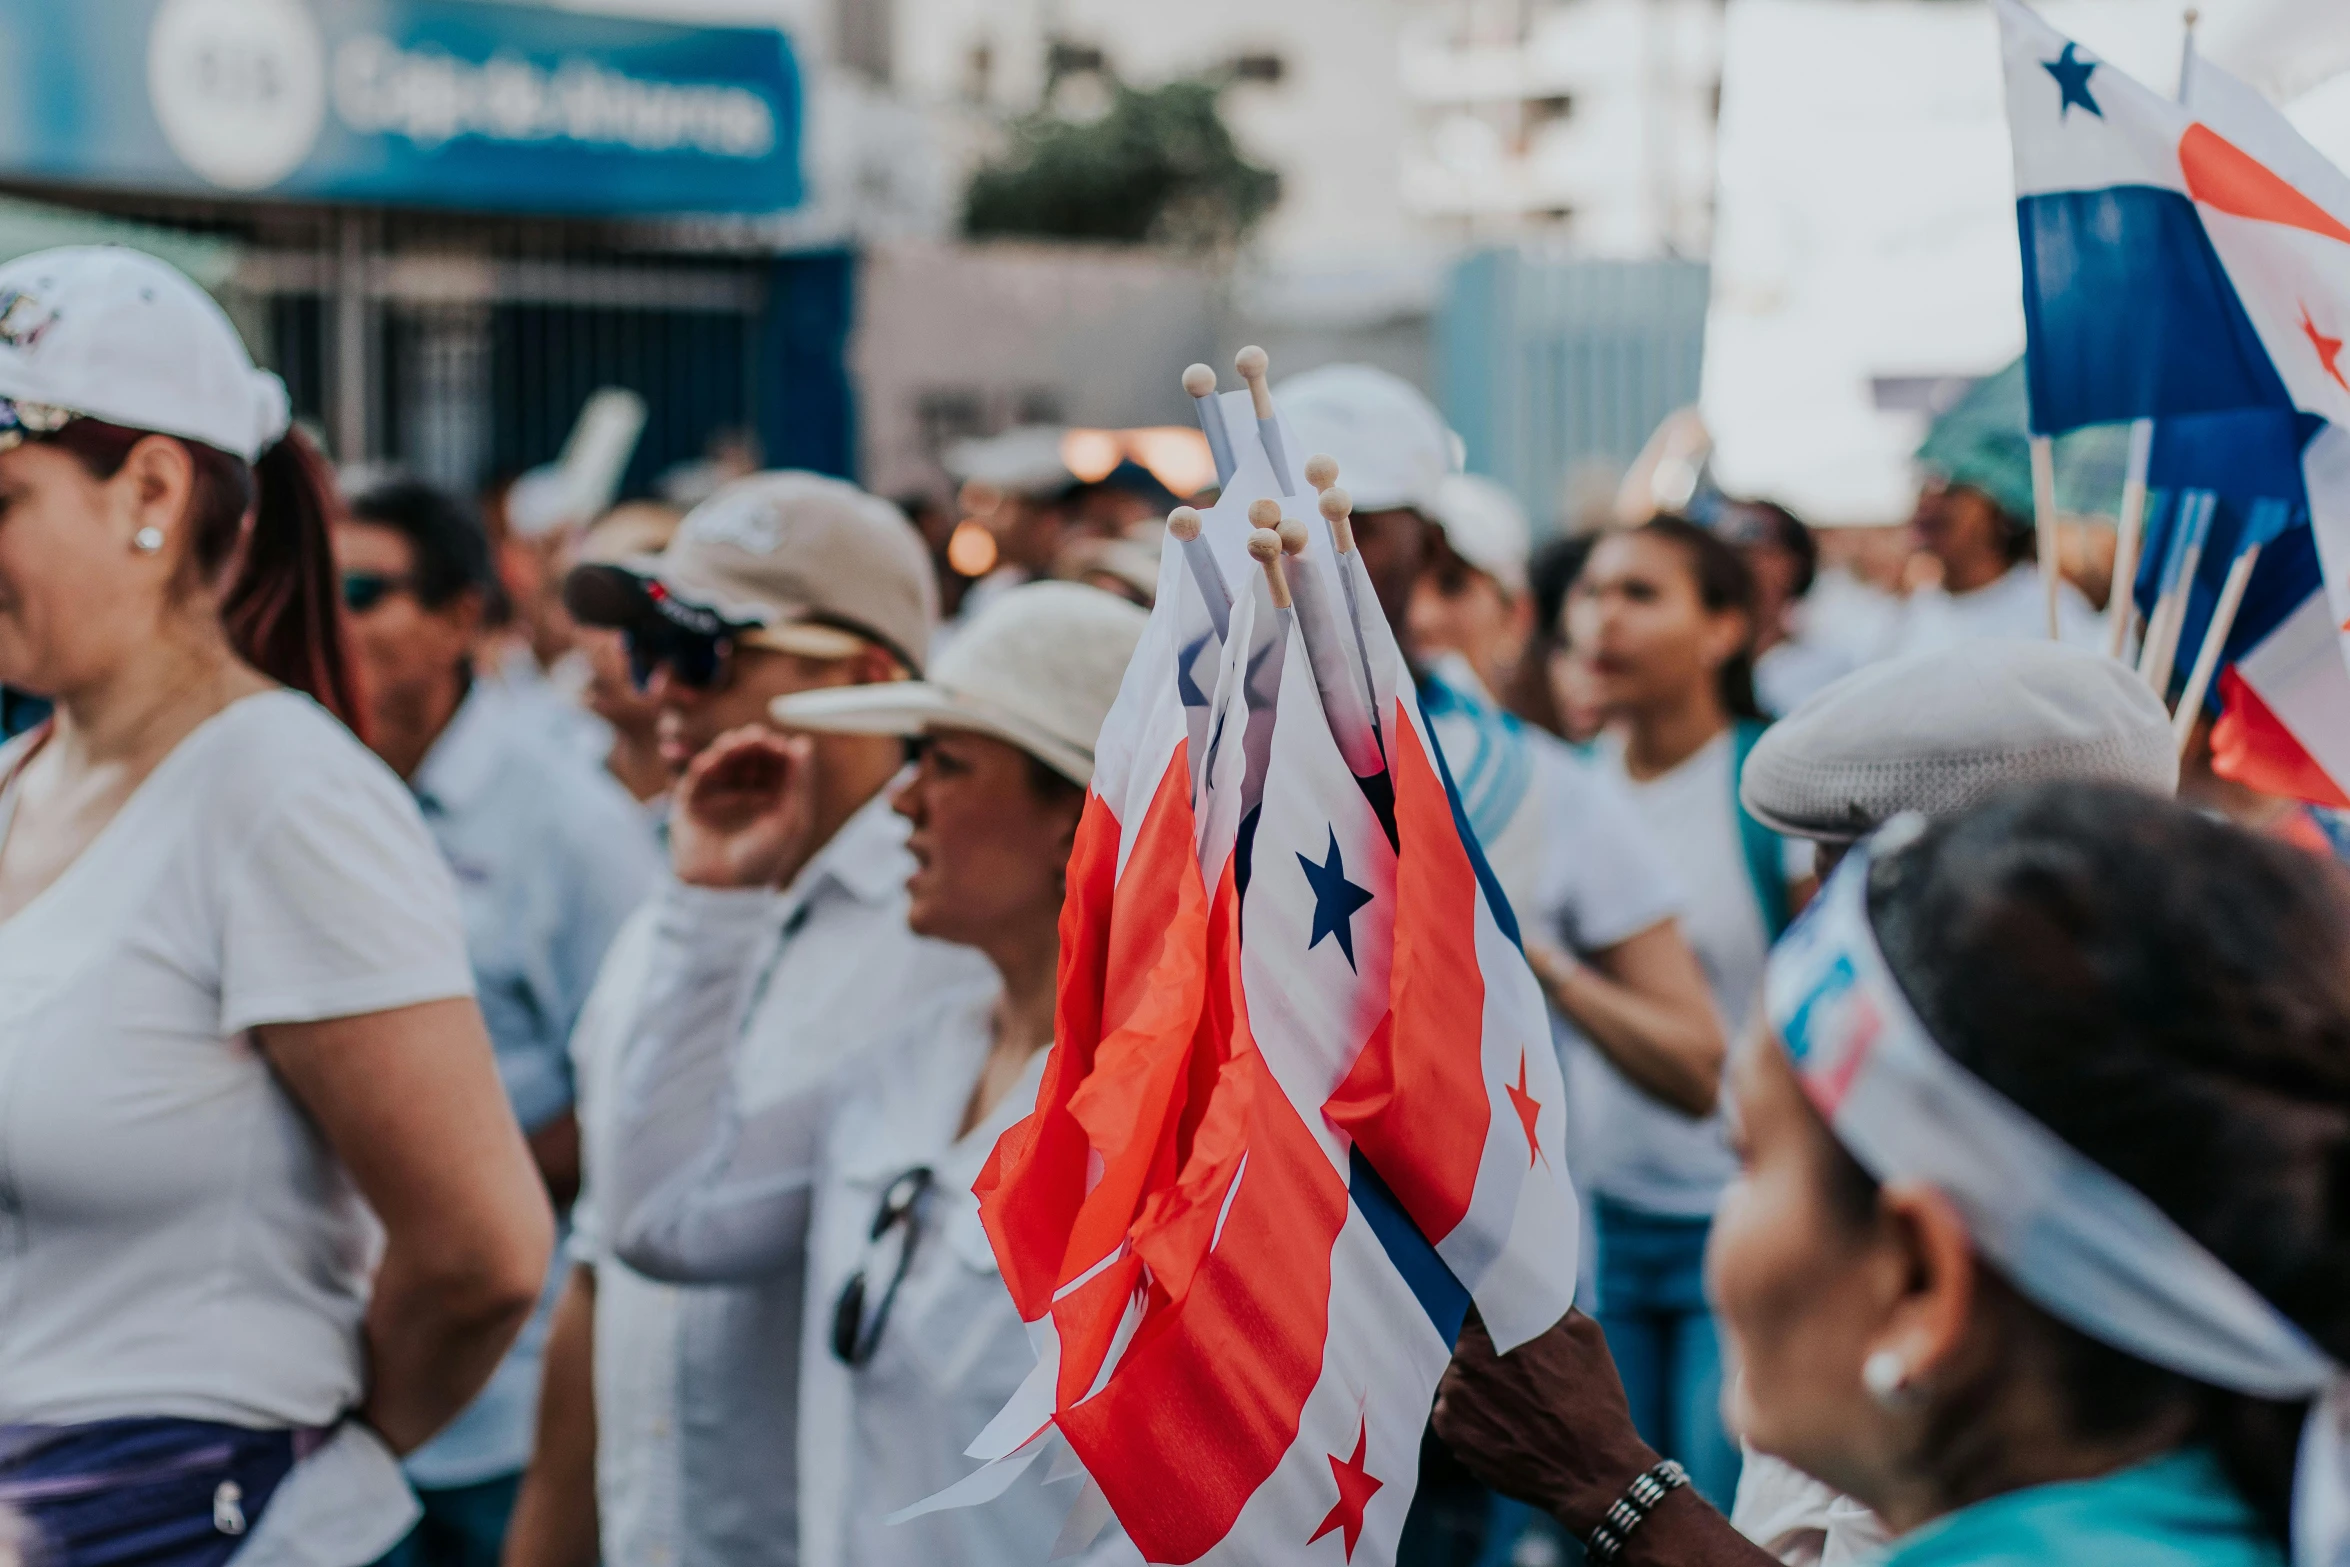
x,y
488,107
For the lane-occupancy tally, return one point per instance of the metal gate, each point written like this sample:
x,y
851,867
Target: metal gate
x,y
1556,370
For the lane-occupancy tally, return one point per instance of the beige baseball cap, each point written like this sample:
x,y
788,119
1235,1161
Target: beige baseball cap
x,y
1037,668
795,561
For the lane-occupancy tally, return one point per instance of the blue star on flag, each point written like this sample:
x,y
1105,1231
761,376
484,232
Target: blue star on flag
x,y
1336,901
1186,688
2072,82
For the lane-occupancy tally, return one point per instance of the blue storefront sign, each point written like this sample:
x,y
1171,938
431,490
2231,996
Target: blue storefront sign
x,y
450,103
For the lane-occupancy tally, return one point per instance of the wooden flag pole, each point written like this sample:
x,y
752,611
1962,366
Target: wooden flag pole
x,y
2215,638
2130,529
2044,522
1264,546
1253,363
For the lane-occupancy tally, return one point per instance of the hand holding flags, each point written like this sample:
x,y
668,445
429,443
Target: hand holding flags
x,y
1302,1107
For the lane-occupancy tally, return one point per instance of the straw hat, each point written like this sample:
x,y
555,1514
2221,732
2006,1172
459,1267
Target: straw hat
x,y
1037,668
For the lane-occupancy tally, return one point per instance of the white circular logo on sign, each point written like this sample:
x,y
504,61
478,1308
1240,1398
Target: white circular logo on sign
x,y
239,86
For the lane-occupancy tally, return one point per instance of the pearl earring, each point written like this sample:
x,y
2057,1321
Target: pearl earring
x,y
1885,1374
147,540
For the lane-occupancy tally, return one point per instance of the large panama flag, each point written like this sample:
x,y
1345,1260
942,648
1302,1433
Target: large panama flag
x,y
1302,1107
2189,262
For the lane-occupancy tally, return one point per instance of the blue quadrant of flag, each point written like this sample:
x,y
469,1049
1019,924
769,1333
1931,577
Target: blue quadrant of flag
x,y
1432,1283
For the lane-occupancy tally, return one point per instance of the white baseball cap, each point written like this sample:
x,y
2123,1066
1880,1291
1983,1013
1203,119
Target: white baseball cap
x,y
1393,448
1486,527
1025,461
110,333
1037,668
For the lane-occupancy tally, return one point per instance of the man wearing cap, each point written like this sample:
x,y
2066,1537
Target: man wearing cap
x,y
779,583
1564,839
863,1175
1935,733
549,856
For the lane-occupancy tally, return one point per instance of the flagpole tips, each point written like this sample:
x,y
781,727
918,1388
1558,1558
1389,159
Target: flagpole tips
x,y
1252,362
1321,471
1338,510
1293,536
1199,381
1265,514
1264,547
1184,523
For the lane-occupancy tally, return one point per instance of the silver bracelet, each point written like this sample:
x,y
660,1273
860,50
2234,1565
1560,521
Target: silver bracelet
x,y
1631,1510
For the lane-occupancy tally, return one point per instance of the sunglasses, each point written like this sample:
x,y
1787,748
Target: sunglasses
x,y
364,590
693,659
855,1334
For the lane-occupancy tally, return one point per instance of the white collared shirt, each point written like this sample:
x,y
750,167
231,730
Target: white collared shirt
x,y
709,1189
698,1387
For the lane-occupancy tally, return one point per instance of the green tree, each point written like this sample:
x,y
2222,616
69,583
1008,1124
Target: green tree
x,y
1159,167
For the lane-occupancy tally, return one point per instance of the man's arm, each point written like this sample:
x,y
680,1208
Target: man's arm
x,y
1547,1424
555,1514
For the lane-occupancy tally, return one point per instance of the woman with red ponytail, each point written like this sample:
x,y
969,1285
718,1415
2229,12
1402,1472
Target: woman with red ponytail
x,y
268,1222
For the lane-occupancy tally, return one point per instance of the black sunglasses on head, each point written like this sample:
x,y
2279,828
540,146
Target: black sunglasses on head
x,y
364,590
854,1339
694,659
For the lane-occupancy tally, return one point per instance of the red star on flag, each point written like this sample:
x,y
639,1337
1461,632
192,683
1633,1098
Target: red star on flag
x,y
1528,1108
1355,1490
2329,349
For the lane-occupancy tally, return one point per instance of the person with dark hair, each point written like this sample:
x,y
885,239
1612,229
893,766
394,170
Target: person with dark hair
x,y
1974,518
551,855
1535,691
1784,559
2037,1249
1664,613
271,1221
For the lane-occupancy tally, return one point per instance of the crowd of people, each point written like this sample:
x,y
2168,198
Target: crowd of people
x,y
498,1032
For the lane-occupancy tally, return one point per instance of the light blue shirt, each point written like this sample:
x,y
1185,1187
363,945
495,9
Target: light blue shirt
x,y
550,856
2176,1511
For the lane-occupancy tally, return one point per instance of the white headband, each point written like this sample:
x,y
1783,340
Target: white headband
x,y
2086,1246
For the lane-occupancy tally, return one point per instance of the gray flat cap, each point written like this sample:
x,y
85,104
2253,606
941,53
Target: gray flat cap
x,y
1940,731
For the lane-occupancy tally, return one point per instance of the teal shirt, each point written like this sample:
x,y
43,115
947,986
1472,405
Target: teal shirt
x,y
2175,1511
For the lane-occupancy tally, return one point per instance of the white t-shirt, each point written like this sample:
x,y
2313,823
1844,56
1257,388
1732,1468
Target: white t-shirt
x,y
1640,1152
1571,854
176,1238
2015,606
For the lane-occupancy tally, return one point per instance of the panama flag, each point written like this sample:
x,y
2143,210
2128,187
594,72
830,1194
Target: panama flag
x,y
2189,262
1301,1106
1145,882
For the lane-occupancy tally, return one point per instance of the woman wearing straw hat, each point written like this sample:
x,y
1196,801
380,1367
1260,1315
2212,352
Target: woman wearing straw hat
x,y
2040,1246
910,1343
264,1213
